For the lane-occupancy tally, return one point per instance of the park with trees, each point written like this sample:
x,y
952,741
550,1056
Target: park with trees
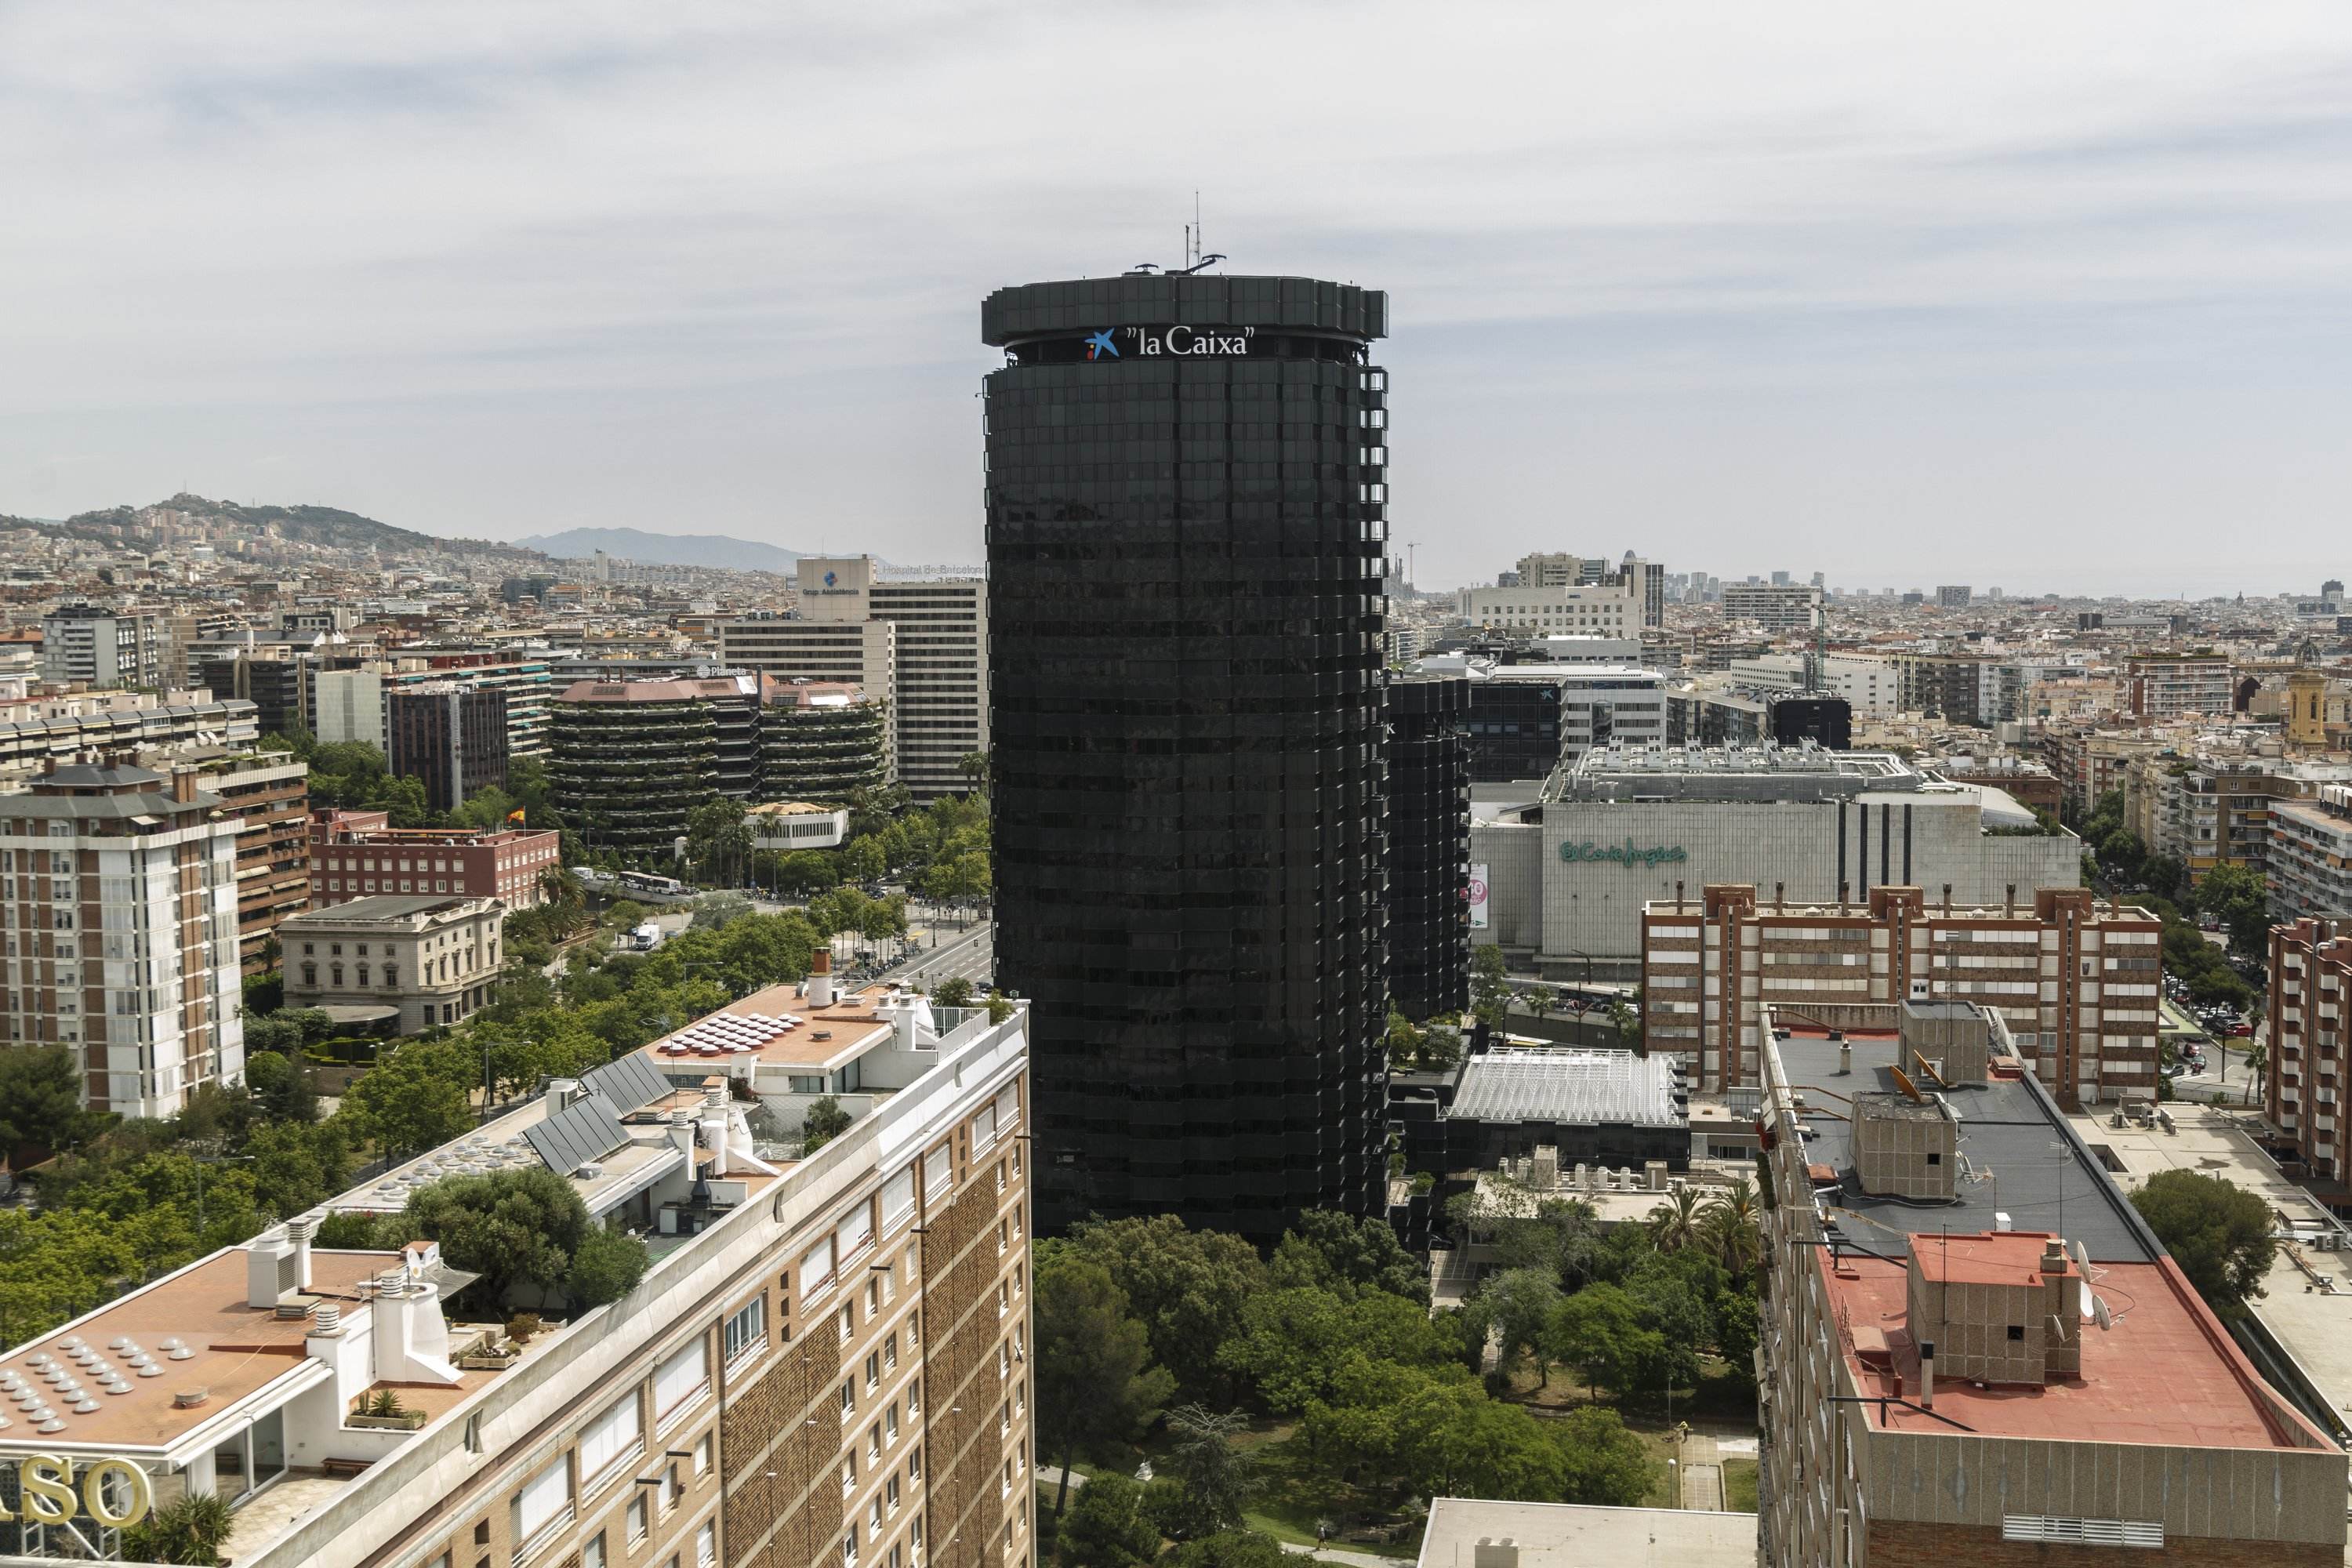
x,y
1272,1395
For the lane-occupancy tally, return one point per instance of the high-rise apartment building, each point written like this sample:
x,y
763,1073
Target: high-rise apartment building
x,y
87,645
2075,980
453,737
862,653
2309,866
1776,606
2173,685
828,1362
2309,1065
1429,845
821,741
1973,1349
1953,596
269,797
1186,504
119,895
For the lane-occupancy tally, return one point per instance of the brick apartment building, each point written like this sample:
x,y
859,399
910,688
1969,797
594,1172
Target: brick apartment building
x,y
357,855
2075,980
2310,1056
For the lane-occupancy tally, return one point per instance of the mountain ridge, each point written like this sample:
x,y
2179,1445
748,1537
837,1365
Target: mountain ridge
x,y
708,550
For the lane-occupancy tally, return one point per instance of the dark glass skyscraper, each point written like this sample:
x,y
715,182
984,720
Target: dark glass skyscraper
x,y
1429,845
1186,504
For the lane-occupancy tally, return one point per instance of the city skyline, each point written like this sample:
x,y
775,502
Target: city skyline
x,y
1921,304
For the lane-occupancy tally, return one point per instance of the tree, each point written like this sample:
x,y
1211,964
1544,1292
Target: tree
x,y
605,1267
718,841
1675,1224
1333,1251
1228,1549
1188,1287
1519,1303
189,1529
40,1099
514,1229
1096,1382
862,860
1727,1227
1203,1461
805,871
1288,1346
1107,1528
2236,896
1627,1024
1605,1465
406,1104
824,1122
1599,1332
1489,990
2217,1231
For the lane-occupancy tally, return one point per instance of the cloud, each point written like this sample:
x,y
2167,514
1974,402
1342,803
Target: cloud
x,y
1727,284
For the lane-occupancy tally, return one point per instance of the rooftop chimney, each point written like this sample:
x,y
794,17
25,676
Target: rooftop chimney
x,y
1927,1374
183,785
820,978
297,1231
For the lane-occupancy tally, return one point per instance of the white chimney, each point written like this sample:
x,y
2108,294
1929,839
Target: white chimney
x,y
714,1138
297,1231
681,1136
264,1260
820,978
411,1338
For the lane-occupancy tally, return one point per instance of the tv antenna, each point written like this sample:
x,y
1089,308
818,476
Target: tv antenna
x,y
1195,258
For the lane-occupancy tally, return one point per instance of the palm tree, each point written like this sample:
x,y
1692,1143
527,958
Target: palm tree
x,y
1675,1224
2257,1058
1729,1228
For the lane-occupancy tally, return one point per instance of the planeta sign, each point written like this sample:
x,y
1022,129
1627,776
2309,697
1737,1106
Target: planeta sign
x,y
47,1491
1627,854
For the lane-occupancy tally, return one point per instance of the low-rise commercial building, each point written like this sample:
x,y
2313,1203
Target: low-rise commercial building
x,y
119,901
782,826
2076,981
396,963
827,1360
358,855
1953,1371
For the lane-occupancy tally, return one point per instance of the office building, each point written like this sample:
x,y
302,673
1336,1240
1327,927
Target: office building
x,y
523,681
630,760
785,826
1186,503
452,737
921,642
821,741
1568,873
358,855
83,644
397,963
269,678
2076,981
1612,609
1645,580
1429,846
119,891
347,705
827,1360
1974,1349
1775,607
1526,720
1953,596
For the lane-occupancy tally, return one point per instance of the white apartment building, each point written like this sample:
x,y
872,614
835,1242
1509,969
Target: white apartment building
x,y
118,921
1869,684
101,648
2309,868
1591,610
349,706
1775,607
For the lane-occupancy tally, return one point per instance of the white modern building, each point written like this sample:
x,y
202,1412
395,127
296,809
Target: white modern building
x,y
119,910
1568,876
93,647
1775,607
1600,609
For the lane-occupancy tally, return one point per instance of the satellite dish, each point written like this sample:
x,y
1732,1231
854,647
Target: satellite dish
x,y
2099,1313
2081,1255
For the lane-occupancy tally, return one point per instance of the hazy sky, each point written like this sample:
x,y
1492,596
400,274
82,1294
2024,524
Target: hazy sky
x,y
2034,295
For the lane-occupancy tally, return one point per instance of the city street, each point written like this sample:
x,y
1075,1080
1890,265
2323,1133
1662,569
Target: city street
x,y
970,956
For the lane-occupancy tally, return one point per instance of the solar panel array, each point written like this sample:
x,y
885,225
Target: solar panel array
x,y
578,1135
630,1083
726,1033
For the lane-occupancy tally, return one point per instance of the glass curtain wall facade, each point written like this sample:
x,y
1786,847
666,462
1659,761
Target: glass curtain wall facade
x,y
1429,846
1186,528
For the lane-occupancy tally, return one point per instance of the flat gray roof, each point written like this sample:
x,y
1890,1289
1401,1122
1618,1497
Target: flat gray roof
x,y
1520,1083
383,906
2019,1156
1570,1535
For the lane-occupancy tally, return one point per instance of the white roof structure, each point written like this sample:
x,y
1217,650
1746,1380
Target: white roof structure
x,y
1523,1083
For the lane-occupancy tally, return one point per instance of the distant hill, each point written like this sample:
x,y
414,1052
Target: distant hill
x,y
713,549
324,526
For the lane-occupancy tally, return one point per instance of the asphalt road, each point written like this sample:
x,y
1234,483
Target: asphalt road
x,y
970,956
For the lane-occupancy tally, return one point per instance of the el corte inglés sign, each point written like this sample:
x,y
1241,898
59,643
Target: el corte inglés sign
x,y
1627,854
